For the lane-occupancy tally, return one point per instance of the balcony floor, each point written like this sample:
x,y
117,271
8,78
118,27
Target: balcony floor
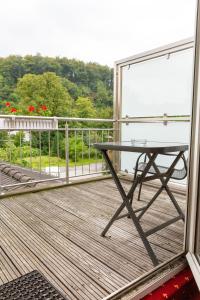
x,y
58,233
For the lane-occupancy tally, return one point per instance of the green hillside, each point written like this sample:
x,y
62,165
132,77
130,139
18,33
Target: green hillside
x,y
37,85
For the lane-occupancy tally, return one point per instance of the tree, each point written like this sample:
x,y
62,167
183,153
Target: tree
x,y
74,90
84,108
18,138
43,95
5,90
3,138
79,79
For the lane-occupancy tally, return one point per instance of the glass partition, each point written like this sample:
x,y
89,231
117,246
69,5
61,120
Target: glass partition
x,y
158,86
171,132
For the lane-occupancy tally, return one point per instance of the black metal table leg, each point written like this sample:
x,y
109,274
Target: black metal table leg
x,y
120,188
118,211
126,203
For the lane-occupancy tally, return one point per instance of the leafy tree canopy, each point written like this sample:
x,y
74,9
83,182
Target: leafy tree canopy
x,y
43,94
31,80
84,108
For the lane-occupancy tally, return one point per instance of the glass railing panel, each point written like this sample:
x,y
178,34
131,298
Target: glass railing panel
x,y
158,86
171,132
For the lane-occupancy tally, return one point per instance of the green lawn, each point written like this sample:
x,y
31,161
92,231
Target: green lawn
x,y
54,161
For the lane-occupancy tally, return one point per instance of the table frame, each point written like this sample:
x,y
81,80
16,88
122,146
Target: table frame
x,y
127,198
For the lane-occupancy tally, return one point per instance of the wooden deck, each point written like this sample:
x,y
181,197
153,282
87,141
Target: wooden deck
x,y
58,233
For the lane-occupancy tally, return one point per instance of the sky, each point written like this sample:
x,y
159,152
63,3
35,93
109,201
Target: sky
x,y
100,31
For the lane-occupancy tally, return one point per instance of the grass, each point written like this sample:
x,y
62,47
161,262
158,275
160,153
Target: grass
x,y
54,161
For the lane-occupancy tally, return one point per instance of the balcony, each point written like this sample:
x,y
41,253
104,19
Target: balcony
x,y
57,231
52,216
52,222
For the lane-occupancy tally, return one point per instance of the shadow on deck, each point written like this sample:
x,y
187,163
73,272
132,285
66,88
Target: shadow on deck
x,y
58,233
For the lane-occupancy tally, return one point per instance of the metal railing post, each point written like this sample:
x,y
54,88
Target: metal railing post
x,y
117,138
1,183
67,151
58,151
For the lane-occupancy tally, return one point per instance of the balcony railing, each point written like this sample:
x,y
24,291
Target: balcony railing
x,y
40,150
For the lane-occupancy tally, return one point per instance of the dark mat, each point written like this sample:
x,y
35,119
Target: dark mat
x,y
31,286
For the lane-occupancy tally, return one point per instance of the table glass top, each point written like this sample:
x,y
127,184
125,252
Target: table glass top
x,y
143,145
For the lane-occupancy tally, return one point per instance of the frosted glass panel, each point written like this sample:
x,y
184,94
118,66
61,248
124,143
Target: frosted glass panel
x,y
158,86
172,132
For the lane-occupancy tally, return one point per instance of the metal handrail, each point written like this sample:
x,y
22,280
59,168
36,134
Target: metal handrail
x,y
154,119
67,119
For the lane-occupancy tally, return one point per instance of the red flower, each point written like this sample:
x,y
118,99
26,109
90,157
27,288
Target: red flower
x,y
31,108
7,104
13,109
43,107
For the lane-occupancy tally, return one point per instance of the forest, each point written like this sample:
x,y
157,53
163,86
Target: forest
x,y
45,86
37,85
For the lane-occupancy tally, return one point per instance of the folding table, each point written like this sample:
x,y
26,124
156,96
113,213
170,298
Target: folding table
x,y
152,150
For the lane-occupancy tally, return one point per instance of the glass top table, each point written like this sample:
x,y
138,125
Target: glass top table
x,y
143,146
151,149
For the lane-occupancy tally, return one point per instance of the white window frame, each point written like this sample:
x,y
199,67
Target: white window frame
x,y
193,211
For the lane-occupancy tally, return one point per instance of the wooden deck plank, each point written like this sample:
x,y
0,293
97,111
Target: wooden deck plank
x,y
97,203
116,231
7,267
104,190
73,209
84,287
89,210
79,232
26,261
90,265
162,205
58,233
138,246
